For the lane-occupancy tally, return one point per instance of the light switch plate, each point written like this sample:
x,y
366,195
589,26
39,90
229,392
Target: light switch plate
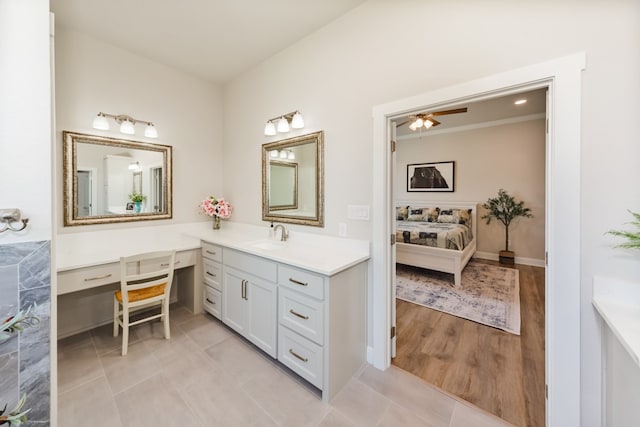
x,y
359,212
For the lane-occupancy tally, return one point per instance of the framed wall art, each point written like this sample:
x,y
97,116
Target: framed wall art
x,y
431,177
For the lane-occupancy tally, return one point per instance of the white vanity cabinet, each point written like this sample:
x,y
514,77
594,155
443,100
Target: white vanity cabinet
x,y
322,325
212,277
250,298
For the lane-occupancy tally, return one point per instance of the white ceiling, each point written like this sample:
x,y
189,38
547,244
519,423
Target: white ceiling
x,y
214,39
482,112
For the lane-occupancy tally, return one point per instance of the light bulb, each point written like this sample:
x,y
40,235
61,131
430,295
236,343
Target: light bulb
x,y
127,128
274,153
428,123
413,126
297,121
134,166
283,154
291,156
270,129
283,125
100,122
150,131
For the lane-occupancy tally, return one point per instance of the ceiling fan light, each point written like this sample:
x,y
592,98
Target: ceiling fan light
x,y
428,123
134,166
100,122
150,131
297,122
270,129
127,127
283,125
413,126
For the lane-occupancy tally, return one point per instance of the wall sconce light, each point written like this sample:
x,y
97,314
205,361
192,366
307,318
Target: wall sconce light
x,y
283,154
284,123
134,166
127,124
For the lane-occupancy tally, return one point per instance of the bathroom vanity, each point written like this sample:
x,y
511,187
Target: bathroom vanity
x,y
302,302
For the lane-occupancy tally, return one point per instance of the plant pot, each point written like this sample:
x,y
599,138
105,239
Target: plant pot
x,y
507,257
137,207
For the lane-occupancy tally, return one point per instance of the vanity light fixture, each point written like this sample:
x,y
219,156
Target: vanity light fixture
x,y
127,124
134,166
284,123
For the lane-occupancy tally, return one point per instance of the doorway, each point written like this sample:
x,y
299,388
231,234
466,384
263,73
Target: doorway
x,y
494,144
87,192
562,306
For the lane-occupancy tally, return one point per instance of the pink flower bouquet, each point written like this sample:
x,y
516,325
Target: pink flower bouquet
x,y
216,207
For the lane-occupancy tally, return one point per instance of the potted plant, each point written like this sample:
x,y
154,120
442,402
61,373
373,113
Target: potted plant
x,y
505,209
632,238
137,198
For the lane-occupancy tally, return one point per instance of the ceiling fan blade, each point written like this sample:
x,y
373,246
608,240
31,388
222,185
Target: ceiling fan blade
x,y
434,121
404,123
454,111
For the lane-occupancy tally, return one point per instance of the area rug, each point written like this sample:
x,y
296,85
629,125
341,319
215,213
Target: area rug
x,y
488,294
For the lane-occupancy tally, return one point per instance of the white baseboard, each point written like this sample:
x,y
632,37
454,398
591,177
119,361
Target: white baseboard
x,y
518,260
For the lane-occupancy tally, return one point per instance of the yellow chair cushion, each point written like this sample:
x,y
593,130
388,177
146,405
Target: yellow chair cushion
x,y
142,294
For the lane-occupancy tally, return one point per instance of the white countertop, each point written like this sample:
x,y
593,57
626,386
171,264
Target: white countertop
x,y
618,302
321,254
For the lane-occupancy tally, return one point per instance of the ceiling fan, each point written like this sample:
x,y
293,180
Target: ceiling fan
x,y
426,120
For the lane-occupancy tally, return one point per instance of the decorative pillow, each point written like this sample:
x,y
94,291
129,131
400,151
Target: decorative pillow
x,y
415,214
446,216
455,216
402,213
430,214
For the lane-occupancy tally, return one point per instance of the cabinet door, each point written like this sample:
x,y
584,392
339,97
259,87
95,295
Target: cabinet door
x,y
234,306
263,322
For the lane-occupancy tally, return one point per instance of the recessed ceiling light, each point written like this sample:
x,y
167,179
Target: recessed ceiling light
x,y
520,101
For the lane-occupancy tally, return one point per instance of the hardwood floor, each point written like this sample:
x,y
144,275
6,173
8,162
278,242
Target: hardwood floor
x,y
497,371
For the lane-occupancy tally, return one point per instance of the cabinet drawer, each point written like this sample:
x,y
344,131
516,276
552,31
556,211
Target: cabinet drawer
x,y
259,267
212,273
212,301
89,277
302,314
302,281
211,251
183,259
300,355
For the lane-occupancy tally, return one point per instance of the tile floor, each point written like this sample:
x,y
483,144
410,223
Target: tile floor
x,y
206,375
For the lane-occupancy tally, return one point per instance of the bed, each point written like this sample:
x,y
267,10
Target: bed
x,y
436,235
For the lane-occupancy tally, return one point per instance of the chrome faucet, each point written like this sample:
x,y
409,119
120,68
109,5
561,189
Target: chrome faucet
x,y
284,235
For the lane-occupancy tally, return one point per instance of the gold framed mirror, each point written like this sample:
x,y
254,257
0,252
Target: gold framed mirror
x,y
293,180
108,180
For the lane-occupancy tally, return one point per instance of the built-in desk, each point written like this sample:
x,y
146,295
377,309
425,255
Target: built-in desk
x,y
88,271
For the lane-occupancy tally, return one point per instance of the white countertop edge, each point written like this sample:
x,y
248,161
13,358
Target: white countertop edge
x,y
330,255
618,302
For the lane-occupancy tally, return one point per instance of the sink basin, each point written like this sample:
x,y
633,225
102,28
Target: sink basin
x,y
267,245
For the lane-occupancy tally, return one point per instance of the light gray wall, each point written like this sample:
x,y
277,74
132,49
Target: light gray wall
x,y
92,76
384,51
510,156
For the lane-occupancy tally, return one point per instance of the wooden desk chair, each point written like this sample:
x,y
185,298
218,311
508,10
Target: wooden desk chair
x,y
145,283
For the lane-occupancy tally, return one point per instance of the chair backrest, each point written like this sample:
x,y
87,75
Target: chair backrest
x,y
146,270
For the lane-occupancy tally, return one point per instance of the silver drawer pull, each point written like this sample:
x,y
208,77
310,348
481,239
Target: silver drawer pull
x,y
166,264
296,355
97,278
211,274
210,302
302,316
212,253
297,282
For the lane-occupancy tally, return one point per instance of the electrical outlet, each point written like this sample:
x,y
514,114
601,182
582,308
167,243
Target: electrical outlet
x,y
342,229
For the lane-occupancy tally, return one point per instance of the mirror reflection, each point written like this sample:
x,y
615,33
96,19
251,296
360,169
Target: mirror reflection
x,y
292,180
112,180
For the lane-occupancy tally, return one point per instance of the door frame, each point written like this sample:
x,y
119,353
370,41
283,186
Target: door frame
x,y
563,77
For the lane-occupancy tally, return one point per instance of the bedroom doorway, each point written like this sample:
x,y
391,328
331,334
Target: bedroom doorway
x,y
499,368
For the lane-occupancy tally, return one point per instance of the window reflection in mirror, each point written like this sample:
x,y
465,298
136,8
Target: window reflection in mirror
x,y
292,180
102,175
